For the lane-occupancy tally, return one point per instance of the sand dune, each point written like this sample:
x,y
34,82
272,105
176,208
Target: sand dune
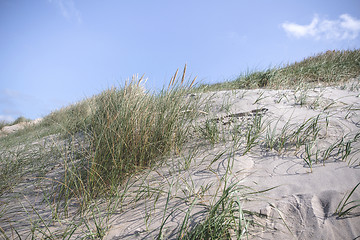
x,y
303,197
303,204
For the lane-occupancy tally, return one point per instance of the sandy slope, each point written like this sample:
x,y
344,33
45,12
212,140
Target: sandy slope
x,y
304,200
14,128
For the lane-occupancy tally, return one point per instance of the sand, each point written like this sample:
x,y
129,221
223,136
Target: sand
x,y
16,127
304,200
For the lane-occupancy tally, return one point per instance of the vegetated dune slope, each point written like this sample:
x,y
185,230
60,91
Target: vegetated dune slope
x,y
289,158
309,186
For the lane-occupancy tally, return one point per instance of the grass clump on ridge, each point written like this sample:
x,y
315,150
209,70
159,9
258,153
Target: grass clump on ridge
x,y
18,120
331,67
126,130
3,124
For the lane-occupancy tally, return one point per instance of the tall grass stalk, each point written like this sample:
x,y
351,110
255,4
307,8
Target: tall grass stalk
x,y
308,156
253,132
345,206
114,135
223,218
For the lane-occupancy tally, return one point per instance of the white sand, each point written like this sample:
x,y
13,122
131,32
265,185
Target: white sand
x,y
16,127
304,200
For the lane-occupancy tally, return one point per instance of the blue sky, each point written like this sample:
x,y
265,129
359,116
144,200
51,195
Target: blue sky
x,y
57,52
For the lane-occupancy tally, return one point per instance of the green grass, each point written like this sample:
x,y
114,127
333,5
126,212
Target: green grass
x,y
107,144
210,131
104,140
124,131
329,68
20,119
3,124
345,206
224,220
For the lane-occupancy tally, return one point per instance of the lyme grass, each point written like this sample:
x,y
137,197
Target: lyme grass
x,y
210,131
329,68
271,137
307,131
276,140
223,219
3,123
308,156
126,130
300,96
260,97
345,206
107,145
105,140
237,134
185,223
327,152
188,159
253,132
20,119
164,219
24,160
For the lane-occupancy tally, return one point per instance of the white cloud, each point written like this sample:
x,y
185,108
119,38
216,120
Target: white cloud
x,y
301,30
68,9
344,28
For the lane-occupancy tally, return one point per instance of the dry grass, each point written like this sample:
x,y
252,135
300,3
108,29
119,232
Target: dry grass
x,y
329,68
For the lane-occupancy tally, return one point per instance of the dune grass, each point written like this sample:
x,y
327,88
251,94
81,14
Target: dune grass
x,y
123,130
345,206
105,142
3,124
16,121
324,69
224,220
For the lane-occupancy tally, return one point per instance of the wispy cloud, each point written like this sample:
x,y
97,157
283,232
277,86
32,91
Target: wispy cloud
x,y
68,9
345,27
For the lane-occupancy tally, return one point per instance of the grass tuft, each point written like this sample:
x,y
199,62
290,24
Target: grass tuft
x,y
345,207
125,130
224,220
329,68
